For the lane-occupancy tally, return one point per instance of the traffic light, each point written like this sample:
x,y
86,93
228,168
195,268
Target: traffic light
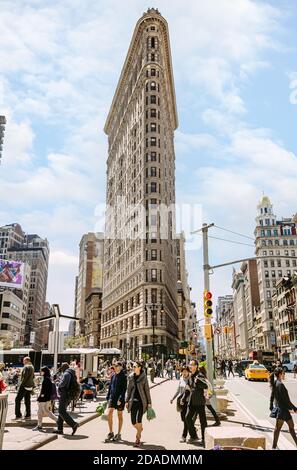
x,y
207,304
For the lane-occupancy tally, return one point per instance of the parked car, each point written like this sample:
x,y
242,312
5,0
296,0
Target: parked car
x,y
288,366
256,372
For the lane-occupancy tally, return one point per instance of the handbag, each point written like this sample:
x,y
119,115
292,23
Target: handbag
x,y
273,412
2,386
179,407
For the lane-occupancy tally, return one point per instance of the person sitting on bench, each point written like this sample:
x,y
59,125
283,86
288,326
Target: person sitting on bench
x,y
89,383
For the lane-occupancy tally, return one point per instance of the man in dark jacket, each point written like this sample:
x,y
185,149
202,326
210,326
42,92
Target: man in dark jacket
x,y
64,386
194,394
116,400
89,383
25,389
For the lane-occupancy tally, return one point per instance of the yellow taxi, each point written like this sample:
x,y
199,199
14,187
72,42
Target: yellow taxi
x,y
256,371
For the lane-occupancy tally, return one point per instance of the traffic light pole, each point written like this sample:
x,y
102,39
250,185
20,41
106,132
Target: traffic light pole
x,y
209,346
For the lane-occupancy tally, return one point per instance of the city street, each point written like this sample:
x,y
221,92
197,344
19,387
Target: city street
x,y
254,397
162,433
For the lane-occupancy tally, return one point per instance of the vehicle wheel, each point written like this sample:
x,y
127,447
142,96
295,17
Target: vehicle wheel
x,y
285,369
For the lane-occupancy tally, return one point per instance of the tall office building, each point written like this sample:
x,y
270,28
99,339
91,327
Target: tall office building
x,y
140,314
89,284
34,251
276,243
11,235
2,128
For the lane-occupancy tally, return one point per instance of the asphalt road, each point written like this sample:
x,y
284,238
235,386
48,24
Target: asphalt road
x,y
254,397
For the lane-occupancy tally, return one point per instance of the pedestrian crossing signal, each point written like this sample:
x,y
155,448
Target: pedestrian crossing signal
x,y
207,304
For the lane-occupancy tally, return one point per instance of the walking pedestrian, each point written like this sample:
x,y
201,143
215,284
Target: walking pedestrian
x,y
152,372
116,400
181,405
68,389
208,394
44,398
159,370
230,368
2,381
223,368
194,394
281,406
295,370
138,399
25,389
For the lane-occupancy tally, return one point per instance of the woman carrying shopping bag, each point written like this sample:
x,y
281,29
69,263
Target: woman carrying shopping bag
x,y
138,398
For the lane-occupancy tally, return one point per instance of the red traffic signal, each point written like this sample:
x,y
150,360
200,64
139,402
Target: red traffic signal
x,y
207,295
207,304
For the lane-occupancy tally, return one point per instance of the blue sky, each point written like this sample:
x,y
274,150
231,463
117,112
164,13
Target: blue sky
x,y
234,64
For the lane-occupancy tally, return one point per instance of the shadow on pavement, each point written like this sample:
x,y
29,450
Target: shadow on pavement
x,y
78,437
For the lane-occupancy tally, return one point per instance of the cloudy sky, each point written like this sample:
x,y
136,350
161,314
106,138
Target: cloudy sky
x,y
235,69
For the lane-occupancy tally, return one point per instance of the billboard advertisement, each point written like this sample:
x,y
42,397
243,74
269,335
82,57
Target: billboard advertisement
x,y
11,274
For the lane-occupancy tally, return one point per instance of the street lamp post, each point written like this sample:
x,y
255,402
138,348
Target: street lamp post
x,y
56,315
153,308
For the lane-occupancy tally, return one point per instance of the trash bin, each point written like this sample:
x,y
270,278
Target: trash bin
x,y
3,413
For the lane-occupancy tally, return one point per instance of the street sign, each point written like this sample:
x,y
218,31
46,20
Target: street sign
x,y
32,336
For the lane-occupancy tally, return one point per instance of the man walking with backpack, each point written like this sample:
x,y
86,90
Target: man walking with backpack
x,y
69,389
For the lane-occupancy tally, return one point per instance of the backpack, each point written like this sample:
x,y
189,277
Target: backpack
x,y
54,394
74,390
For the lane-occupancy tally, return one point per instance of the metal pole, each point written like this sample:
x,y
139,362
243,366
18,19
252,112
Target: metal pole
x,y
209,347
153,321
56,332
187,339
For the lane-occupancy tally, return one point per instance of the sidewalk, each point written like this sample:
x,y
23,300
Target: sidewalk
x,y
162,433
18,435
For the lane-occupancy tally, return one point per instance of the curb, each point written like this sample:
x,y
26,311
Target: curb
x,y
46,440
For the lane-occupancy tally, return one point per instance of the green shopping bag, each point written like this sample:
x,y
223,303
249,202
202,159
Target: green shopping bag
x,y
101,408
150,414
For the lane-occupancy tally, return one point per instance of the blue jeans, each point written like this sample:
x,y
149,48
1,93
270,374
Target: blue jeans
x,y
63,414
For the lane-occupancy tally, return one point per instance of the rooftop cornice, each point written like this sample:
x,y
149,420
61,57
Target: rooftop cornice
x,y
140,25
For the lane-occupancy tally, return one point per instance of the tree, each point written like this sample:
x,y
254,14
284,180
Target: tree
x,y
76,341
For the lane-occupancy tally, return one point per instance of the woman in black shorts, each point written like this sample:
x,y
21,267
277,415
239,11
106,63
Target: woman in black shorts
x,y
138,398
281,406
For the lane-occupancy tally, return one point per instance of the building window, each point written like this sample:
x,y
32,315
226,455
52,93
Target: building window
x,y
153,255
153,99
153,171
266,273
153,72
153,275
154,296
153,113
153,156
280,273
153,141
153,187
153,127
153,86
